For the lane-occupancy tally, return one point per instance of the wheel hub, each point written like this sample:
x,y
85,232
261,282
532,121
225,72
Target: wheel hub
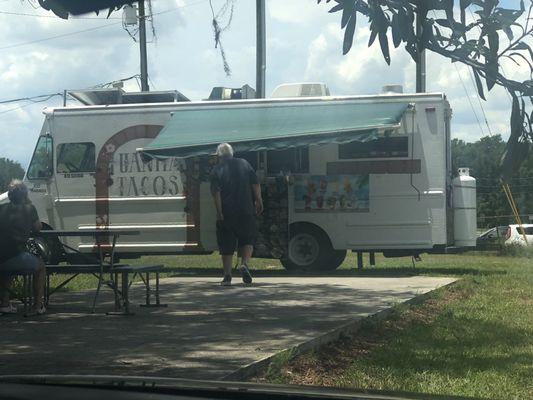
x,y
304,249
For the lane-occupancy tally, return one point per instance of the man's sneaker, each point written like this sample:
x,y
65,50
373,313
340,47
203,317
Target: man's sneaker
x,y
9,309
41,310
37,311
246,276
226,281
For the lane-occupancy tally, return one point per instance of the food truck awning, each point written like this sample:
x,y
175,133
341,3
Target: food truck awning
x,y
260,126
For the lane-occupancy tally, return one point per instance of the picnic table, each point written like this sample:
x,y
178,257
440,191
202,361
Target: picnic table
x,y
102,267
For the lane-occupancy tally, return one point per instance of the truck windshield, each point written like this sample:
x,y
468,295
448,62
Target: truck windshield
x,y
41,165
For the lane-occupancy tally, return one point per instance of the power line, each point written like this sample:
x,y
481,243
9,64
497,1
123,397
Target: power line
x,y
469,100
45,97
48,97
58,36
30,99
466,93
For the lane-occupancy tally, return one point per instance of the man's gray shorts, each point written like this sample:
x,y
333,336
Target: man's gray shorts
x,y
24,263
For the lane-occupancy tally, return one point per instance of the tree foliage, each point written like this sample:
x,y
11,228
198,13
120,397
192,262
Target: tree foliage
x,y
62,8
466,31
9,170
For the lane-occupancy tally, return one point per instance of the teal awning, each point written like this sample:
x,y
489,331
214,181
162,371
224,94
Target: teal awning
x,y
272,125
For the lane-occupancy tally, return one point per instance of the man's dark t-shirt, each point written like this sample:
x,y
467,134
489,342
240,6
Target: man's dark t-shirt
x,y
16,224
234,178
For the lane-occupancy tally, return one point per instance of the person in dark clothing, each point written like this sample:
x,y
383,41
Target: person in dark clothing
x,y
18,219
237,195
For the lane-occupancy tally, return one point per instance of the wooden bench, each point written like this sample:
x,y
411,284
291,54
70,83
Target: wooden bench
x,y
75,270
144,272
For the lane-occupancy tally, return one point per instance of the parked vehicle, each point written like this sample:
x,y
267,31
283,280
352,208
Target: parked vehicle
x,y
514,235
493,238
362,173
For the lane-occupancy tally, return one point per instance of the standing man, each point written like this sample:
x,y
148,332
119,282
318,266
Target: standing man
x,y
237,195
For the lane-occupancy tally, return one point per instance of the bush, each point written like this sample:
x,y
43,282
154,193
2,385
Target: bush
x,y
516,250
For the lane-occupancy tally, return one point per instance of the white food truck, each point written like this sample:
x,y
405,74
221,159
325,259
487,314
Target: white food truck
x,y
362,173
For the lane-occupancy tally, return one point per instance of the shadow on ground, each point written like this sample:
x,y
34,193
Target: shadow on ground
x,y
206,331
367,272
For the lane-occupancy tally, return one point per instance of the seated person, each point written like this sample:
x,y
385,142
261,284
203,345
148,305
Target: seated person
x,y
18,219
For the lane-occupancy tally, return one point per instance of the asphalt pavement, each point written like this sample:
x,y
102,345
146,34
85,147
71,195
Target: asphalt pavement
x,y
206,332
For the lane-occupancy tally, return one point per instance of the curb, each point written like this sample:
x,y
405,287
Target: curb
x,y
255,368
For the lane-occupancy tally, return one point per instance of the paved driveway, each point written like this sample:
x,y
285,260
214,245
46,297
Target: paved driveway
x,y
206,331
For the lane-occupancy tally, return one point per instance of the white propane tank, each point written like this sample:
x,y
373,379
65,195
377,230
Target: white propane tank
x,y
464,209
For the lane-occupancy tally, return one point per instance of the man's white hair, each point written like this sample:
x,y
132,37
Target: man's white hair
x,y
224,150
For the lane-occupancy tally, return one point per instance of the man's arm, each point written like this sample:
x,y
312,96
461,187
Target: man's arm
x,y
256,189
36,221
258,198
218,205
215,191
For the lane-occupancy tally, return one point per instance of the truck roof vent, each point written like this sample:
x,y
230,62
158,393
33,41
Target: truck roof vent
x,y
392,89
307,89
224,93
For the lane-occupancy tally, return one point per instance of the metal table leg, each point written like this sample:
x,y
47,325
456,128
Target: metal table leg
x,y
125,296
149,292
100,275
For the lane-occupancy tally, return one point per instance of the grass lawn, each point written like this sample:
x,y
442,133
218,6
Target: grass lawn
x,y
472,339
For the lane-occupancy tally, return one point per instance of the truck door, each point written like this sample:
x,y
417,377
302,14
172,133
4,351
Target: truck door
x,y
40,179
75,168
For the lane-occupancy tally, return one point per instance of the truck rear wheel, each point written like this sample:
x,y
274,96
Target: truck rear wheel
x,y
310,250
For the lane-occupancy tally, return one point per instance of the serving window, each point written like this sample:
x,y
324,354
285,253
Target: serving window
x,y
385,147
76,157
292,160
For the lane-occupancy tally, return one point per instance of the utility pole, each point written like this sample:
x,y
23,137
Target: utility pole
x,y
421,56
260,49
142,43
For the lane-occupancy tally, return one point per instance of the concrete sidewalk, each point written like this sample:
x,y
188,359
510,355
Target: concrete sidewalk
x,y
206,332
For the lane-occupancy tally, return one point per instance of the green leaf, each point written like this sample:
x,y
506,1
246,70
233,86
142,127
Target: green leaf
x,y
373,34
443,22
509,32
396,30
336,8
463,4
384,43
347,12
479,84
494,43
349,34
523,46
491,73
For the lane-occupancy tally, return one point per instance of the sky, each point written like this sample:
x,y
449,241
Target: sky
x,y
42,54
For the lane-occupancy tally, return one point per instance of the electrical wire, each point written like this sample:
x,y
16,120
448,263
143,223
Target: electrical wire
x,y
45,97
58,36
469,100
30,99
32,102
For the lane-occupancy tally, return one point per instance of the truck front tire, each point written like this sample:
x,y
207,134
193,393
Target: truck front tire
x,y
51,248
310,250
